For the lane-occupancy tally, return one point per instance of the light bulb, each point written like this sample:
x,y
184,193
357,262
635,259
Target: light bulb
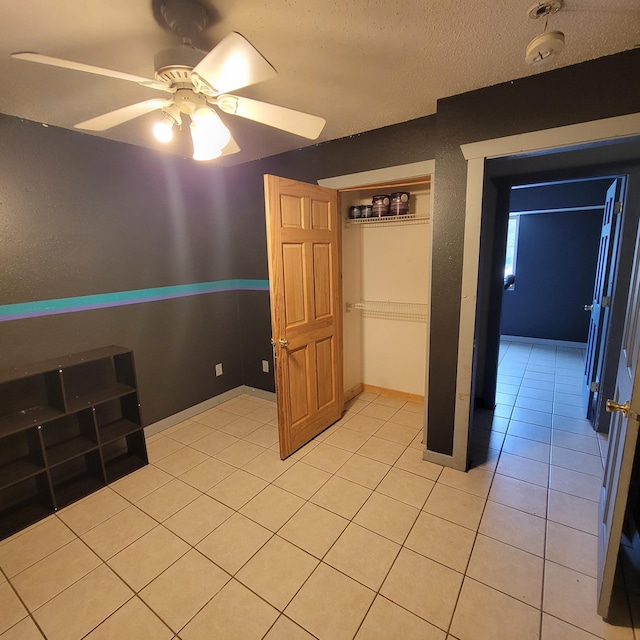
x,y
209,134
163,130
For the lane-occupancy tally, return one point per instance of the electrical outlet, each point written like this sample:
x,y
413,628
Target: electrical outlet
x,y
265,366
219,369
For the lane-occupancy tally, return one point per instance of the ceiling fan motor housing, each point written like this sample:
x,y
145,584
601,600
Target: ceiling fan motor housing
x,y
174,65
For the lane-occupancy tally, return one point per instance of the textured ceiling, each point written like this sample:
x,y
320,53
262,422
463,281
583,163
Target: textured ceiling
x,y
361,64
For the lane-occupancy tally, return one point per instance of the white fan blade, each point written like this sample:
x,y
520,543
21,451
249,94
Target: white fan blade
x,y
119,116
87,68
232,64
231,148
301,124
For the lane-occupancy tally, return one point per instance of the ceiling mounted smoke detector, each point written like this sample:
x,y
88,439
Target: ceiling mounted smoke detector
x,y
549,43
544,9
544,46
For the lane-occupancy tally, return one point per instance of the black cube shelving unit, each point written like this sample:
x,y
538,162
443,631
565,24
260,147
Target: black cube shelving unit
x,y
68,427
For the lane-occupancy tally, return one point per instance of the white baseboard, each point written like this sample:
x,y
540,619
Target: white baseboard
x,y
553,343
181,416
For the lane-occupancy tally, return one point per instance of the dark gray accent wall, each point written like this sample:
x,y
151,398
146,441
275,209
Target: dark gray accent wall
x,y
254,317
579,93
79,216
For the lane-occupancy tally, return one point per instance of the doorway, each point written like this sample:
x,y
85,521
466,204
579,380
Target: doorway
x,y
565,477
561,255
546,235
613,140
559,235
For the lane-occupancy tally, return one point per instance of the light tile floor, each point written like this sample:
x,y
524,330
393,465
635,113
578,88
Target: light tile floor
x,y
354,536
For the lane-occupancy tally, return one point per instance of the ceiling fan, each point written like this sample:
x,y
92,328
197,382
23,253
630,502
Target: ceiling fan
x,y
197,82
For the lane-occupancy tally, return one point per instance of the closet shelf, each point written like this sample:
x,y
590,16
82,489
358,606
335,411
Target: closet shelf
x,y
412,311
386,221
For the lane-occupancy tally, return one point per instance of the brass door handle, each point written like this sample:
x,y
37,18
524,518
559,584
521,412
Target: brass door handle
x,y
614,406
588,307
273,342
283,342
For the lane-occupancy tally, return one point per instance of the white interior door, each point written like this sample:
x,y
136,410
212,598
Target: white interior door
x,y
602,294
623,436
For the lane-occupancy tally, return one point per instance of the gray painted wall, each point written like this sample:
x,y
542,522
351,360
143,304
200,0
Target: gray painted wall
x,y
81,216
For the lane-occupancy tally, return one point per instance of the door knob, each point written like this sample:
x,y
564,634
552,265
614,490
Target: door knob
x,y
588,307
614,406
283,342
273,342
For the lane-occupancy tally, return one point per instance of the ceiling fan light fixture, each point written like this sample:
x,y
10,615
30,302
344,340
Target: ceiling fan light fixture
x,y
163,130
196,79
209,134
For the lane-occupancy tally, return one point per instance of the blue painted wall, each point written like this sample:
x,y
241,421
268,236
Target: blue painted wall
x,y
556,262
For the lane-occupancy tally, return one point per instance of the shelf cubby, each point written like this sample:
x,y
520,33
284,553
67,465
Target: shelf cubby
x,y
76,478
21,457
69,437
124,455
29,400
117,418
24,503
92,382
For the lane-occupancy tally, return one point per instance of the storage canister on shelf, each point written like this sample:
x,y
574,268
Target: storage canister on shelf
x,y
354,212
399,203
380,205
366,211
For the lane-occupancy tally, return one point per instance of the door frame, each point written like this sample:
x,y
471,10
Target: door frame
x,y
476,153
391,174
491,290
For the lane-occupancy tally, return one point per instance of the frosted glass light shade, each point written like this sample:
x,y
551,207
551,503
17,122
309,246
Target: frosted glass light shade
x,y
209,134
163,130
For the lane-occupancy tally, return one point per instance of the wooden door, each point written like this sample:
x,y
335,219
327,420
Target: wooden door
x,y
303,241
623,435
602,293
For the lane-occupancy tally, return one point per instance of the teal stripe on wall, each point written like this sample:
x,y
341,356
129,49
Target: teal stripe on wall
x,y
55,306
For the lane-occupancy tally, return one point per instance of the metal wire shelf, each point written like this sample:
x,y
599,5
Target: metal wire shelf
x,y
386,221
387,310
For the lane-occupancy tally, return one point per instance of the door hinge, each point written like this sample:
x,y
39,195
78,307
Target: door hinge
x,y
594,387
618,206
606,302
